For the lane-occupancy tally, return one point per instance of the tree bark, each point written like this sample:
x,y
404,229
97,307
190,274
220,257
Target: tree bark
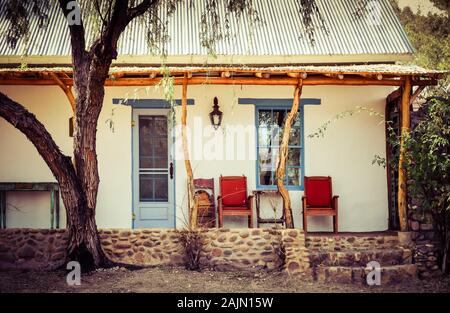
x,y
281,169
405,128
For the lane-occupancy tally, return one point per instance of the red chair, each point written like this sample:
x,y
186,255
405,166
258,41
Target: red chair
x,y
233,200
319,200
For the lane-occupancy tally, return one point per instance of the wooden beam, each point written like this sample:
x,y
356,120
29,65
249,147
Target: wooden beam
x,y
283,155
310,81
66,88
262,75
335,76
416,93
225,74
298,75
68,91
405,127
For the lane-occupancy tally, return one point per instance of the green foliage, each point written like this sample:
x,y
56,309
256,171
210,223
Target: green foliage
x,y
429,35
427,163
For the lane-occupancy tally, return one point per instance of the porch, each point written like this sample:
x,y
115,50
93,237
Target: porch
x,y
283,81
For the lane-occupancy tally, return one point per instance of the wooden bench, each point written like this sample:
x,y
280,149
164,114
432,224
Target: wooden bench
x,y
53,188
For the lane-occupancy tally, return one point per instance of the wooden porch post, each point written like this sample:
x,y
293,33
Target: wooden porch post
x,y
68,91
405,128
192,199
281,169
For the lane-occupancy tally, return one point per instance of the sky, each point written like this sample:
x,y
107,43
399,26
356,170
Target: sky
x,y
425,5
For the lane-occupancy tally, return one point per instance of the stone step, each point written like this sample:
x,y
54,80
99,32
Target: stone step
x,y
384,257
351,242
389,275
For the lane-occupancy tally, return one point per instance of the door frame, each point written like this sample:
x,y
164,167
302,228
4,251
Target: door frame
x,y
156,110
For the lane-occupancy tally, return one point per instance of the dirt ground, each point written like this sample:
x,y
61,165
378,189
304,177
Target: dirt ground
x,y
120,280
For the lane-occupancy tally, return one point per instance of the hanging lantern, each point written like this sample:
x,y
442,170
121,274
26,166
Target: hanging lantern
x,y
216,115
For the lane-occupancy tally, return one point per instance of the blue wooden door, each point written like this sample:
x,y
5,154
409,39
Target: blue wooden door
x,y
153,177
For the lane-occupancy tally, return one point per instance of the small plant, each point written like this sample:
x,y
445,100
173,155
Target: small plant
x,y
193,243
280,251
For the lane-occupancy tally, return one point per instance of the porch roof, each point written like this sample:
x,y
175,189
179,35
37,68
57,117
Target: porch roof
x,y
374,74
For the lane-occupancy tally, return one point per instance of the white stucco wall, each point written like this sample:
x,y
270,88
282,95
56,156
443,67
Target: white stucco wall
x,y
345,153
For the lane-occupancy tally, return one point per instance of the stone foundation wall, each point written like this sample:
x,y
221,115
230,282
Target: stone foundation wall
x,y
297,260
426,252
241,249
40,249
228,249
223,249
149,247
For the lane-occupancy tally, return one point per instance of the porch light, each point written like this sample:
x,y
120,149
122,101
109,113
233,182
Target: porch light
x,y
216,115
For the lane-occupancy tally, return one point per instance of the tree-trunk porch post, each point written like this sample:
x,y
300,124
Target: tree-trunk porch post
x,y
192,199
283,154
405,128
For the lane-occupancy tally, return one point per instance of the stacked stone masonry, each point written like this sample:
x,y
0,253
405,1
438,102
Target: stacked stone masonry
x,y
345,258
327,258
223,249
426,243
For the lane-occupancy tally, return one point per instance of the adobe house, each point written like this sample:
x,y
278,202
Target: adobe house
x,y
353,63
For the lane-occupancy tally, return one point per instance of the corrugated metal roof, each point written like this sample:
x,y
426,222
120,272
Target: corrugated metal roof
x,y
279,35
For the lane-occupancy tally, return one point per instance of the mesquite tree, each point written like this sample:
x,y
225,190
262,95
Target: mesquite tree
x,y
91,61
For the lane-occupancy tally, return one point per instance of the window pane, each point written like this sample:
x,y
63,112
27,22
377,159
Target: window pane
x,y
295,137
270,133
264,137
269,136
265,177
293,176
265,118
279,118
293,157
297,122
153,142
153,188
160,126
268,158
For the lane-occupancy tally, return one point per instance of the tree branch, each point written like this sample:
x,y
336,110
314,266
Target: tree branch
x,y
77,35
14,113
141,8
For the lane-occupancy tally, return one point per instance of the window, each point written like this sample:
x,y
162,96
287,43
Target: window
x,y
270,123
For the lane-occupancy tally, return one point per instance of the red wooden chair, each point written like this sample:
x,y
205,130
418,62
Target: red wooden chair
x,y
319,200
233,200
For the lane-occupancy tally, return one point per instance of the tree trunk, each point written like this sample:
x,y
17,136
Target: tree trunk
x,y
192,199
79,181
84,242
281,169
402,175
84,245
